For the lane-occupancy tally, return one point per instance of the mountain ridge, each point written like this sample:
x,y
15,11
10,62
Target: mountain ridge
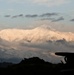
x,y
38,34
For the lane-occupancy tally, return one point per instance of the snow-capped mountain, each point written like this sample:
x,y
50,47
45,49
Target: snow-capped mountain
x,y
16,44
39,34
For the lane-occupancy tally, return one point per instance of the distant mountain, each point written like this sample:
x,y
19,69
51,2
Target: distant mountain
x,y
31,66
43,41
39,34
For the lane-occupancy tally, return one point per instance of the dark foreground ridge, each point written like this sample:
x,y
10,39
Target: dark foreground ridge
x,y
37,66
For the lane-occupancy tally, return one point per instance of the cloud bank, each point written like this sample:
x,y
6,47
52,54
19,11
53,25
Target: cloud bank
x,y
42,42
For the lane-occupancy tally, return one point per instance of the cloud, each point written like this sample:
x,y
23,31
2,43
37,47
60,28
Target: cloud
x,y
50,19
65,43
31,16
59,19
48,14
34,15
7,15
20,15
16,16
43,50
53,19
72,20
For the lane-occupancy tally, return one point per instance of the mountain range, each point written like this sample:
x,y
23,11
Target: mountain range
x,y
39,34
42,42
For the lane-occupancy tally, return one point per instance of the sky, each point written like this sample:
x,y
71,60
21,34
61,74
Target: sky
x,y
29,13
26,22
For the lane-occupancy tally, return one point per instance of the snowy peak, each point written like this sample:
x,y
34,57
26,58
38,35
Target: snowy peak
x,y
39,34
44,27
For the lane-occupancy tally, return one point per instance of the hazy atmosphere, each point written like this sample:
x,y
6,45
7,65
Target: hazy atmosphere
x,y
36,28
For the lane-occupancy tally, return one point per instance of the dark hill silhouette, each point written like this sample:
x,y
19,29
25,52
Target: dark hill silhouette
x,y
35,65
30,66
34,60
5,64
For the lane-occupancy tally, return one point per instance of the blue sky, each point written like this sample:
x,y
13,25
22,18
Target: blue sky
x,y
13,12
